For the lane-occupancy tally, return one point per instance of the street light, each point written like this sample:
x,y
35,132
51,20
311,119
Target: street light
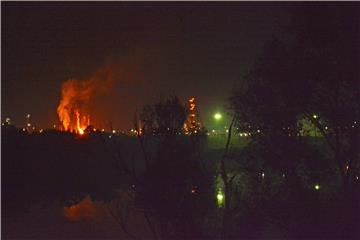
x,y
217,116
220,198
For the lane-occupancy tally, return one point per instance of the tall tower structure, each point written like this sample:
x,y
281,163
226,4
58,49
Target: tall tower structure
x,y
192,123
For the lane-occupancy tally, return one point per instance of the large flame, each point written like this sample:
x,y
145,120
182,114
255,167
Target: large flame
x,y
80,125
75,95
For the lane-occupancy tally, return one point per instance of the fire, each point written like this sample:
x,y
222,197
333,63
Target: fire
x,y
81,125
75,96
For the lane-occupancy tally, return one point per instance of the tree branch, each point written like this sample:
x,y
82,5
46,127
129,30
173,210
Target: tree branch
x,y
151,226
121,223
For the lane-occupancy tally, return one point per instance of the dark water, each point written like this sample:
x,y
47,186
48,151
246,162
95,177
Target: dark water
x,y
86,220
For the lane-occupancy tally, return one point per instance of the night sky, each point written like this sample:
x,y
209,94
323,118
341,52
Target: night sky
x,y
188,49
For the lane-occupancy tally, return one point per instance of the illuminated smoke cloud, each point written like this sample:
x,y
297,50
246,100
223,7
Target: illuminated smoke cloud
x,y
76,94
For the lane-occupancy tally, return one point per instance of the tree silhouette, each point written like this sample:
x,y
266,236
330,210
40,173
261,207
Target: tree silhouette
x,y
174,189
314,77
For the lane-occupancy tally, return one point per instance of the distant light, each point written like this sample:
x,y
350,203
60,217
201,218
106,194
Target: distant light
x,y
263,175
315,116
317,186
245,134
220,198
241,134
103,130
258,130
194,189
227,130
213,130
113,131
28,115
326,128
54,126
284,175
41,130
24,129
195,131
109,136
29,124
347,167
217,116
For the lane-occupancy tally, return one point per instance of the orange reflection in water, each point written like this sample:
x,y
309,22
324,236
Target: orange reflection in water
x,y
84,210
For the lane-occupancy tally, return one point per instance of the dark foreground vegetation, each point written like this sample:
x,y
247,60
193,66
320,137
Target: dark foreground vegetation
x,y
295,175
176,190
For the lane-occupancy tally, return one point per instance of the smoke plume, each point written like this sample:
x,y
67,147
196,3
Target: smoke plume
x,y
75,96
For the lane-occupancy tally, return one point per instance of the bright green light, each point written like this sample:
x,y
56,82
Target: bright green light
x,y
217,116
220,198
317,186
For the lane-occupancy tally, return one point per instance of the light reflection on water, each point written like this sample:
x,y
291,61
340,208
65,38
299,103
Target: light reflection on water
x,y
84,210
88,219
